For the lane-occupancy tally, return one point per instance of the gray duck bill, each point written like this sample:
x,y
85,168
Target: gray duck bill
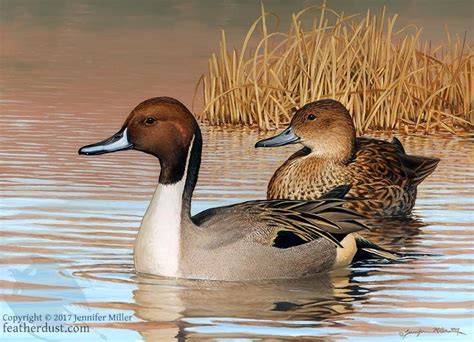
x,y
117,142
286,137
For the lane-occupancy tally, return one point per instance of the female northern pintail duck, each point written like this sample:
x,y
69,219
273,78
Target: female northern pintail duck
x,y
250,240
380,173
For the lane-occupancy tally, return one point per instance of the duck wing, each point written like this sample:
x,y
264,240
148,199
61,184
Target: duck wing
x,y
337,192
377,164
377,160
281,223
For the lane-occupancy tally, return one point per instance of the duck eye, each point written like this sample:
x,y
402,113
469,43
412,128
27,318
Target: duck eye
x,y
150,120
311,117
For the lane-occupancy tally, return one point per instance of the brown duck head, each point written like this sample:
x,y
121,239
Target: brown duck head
x,y
160,126
324,126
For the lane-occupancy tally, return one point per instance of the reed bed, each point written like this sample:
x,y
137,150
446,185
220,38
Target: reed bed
x,y
388,79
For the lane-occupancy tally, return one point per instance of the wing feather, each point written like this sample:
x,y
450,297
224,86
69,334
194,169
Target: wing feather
x,y
268,220
310,220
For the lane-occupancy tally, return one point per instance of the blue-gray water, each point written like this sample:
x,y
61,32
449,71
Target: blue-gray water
x,y
70,71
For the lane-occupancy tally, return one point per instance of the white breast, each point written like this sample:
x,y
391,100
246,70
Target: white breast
x,y
157,247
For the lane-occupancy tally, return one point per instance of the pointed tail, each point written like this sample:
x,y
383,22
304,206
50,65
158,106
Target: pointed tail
x,y
368,250
425,169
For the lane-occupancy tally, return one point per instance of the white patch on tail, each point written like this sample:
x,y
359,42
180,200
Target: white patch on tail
x,y
346,254
157,246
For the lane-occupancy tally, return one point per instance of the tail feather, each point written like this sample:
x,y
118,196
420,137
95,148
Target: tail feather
x,y
380,254
421,167
398,145
425,169
368,250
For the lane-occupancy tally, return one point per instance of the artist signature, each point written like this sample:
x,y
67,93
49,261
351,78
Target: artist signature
x,y
434,330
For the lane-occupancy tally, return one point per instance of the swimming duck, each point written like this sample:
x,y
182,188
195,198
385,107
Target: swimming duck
x,y
380,173
261,239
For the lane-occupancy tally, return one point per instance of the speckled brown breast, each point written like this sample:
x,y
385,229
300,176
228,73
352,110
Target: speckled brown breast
x,y
306,178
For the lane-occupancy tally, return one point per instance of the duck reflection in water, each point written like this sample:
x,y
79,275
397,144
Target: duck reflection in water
x,y
193,309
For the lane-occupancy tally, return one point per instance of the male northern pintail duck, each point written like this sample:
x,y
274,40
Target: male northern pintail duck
x,y
380,173
263,239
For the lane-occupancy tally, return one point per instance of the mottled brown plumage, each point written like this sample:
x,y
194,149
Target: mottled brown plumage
x,y
382,176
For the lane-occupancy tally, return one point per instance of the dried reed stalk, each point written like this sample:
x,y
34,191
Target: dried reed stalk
x,y
387,79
